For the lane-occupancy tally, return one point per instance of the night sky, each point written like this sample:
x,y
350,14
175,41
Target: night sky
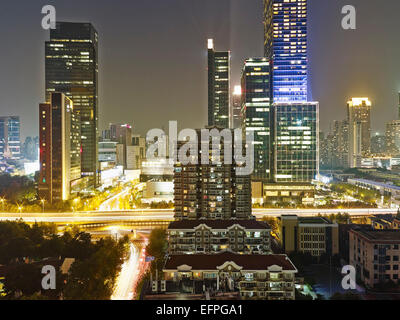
x,y
153,56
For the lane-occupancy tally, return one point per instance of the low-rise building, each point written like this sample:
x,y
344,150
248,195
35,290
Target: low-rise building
x,y
375,255
158,191
314,235
269,277
213,236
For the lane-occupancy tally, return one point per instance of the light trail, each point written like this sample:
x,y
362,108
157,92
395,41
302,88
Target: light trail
x,y
168,215
124,289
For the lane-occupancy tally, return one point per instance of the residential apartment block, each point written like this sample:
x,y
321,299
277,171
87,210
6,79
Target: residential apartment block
x,y
375,255
213,236
269,277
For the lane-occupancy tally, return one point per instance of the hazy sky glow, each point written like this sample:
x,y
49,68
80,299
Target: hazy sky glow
x,y
153,56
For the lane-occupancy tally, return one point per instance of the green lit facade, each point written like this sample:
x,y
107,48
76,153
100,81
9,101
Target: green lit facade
x,y
296,136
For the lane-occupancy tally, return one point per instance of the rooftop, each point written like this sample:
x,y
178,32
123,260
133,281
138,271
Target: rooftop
x,y
218,224
212,261
314,220
379,235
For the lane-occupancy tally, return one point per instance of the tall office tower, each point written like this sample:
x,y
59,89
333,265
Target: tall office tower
x,y
211,191
256,104
10,141
378,144
359,119
296,149
393,137
122,134
219,66
60,148
285,42
340,144
237,116
72,68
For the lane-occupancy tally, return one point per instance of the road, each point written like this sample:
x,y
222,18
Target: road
x,y
167,215
128,276
113,202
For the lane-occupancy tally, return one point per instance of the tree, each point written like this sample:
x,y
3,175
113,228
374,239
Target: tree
x,y
157,248
24,278
94,277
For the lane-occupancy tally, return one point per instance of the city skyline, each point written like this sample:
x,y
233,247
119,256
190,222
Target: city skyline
x,y
201,23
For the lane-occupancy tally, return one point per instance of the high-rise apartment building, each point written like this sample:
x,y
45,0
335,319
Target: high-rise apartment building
x,y
256,105
60,148
211,191
378,144
219,65
72,68
337,145
285,42
237,115
296,142
10,141
393,137
359,119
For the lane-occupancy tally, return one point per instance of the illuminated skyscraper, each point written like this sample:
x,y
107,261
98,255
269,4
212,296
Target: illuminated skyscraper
x,y
256,106
60,148
10,142
285,42
219,65
237,116
296,142
359,120
393,137
72,68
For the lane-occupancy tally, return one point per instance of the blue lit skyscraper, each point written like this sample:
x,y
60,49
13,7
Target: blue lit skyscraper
x,y
285,43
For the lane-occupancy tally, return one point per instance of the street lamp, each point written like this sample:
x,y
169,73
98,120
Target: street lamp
x,y
20,209
42,201
76,200
2,200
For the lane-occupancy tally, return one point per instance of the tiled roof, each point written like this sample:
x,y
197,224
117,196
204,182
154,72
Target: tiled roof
x,y
218,224
212,261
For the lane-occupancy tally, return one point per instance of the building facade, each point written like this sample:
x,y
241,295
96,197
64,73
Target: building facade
x,y
265,277
393,138
10,140
375,255
285,42
219,92
296,142
214,190
213,236
256,108
359,119
313,235
72,68
60,148
237,115
108,151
